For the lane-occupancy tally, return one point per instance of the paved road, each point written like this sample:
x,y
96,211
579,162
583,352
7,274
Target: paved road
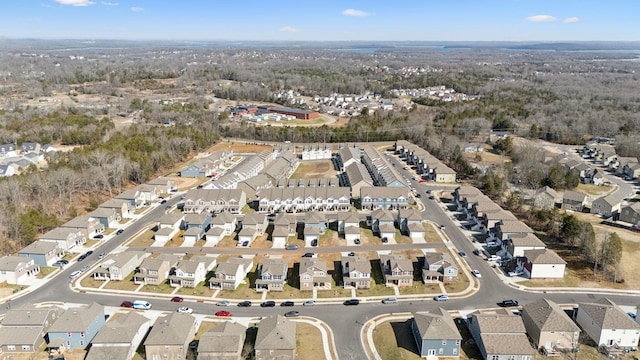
x,y
346,322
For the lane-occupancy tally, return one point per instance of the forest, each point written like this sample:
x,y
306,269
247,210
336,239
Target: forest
x,y
109,105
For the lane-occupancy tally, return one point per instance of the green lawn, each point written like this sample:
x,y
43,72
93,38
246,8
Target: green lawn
x,y
126,284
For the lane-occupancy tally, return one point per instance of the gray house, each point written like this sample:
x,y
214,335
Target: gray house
x,y
500,335
631,214
43,253
170,336
23,328
276,339
549,327
545,198
77,327
272,275
436,334
223,342
119,338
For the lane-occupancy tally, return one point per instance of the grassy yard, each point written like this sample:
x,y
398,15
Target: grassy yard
x,y
176,241
592,189
308,342
331,238
244,291
126,284
200,290
420,288
143,240
430,234
46,270
163,288
228,241
314,169
335,292
402,239
394,340
90,282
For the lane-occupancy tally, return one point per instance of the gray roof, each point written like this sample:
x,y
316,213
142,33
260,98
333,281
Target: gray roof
x,y
59,233
108,353
306,263
499,323
377,192
20,335
276,333
77,319
357,263
607,315
436,325
171,218
546,315
28,316
526,240
275,267
507,344
357,172
120,330
543,256
9,263
172,329
227,337
40,247
574,196
231,265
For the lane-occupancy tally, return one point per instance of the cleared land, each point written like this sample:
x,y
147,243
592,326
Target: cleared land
x,y
314,169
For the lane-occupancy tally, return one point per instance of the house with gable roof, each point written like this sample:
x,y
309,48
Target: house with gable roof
x,y
77,326
23,328
499,335
153,271
223,342
542,264
549,327
118,266
631,214
356,272
276,339
272,275
43,253
314,275
170,336
65,238
439,267
17,270
574,201
119,338
608,325
608,205
436,334
382,223
396,270
231,273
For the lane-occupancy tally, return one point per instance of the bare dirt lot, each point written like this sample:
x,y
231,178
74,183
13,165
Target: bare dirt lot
x,y
314,169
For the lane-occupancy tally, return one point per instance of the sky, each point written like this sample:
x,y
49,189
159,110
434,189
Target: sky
x,y
324,20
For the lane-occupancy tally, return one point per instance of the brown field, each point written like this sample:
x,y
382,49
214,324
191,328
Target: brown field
x,y
309,342
314,169
238,147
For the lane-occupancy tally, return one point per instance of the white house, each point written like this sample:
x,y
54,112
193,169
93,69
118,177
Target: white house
x,y
542,264
17,269
607,324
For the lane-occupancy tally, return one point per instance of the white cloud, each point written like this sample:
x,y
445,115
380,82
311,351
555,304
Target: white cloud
x,y
572,20
106,3
75,2
356,13
289,29
541,18
137,9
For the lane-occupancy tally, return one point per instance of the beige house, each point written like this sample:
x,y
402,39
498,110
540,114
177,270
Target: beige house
x,y
170,336
314,275
396,270
356,272
272,275
66,238
163,185
500,335
88,225
231,273
22,328
153,271
276,339
549,326
223,342
119,266
119,338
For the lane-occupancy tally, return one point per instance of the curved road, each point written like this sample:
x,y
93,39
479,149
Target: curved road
x,y
345,322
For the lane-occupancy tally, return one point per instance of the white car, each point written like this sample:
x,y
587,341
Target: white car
x,y
185,310
476,273
223,303
75,274
516,273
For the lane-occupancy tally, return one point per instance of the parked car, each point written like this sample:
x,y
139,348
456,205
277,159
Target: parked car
x,y
84,268
431,197
245,244
309,303
476,252
516,273
491,244
126,304
223,303
356,241
476,273
442,297
63,261
314,242
185,310
223,313
75,274
494,258
89,252
508,303
352,302
418,195
292,247
389,300
462,254
385,240
268,304
287,303
291,314
99,236
177,299
308,255
120,231
59,264
351,254
244,304
442,227
422,180
82,257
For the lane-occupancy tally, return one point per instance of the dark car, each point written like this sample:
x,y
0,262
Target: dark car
x,y
268,304
356,241
385,240
163,201
63,261
177,299
431,197
120,231
245,244
244,304
418,195
314,242
308,255
99,236
508,303
82,257
126,304
89,252
292,247
352,302
352,254
288,303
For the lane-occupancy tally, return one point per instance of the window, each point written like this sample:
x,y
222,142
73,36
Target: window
x,y
454,351
458,342
68,334
82,334
81,343
11,347
440,351
495,357
444,342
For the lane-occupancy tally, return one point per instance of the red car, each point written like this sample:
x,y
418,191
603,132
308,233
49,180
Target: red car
x,y
177,299
423,180
223,313
126,304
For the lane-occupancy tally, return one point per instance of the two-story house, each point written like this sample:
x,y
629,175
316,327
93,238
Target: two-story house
x,y
119,338
43,253
382,224
276,339
549,327
272,275
223,341
438,267
231,273
356,272
573,200
396,270
65,238
88,225
170,336
500,335
77,326
313,274
153,271
631,214
23,328
384,197
118,266
436,334
608,325
17,270
188,273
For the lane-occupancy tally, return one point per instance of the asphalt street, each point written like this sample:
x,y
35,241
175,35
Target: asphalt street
x,y
345,321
